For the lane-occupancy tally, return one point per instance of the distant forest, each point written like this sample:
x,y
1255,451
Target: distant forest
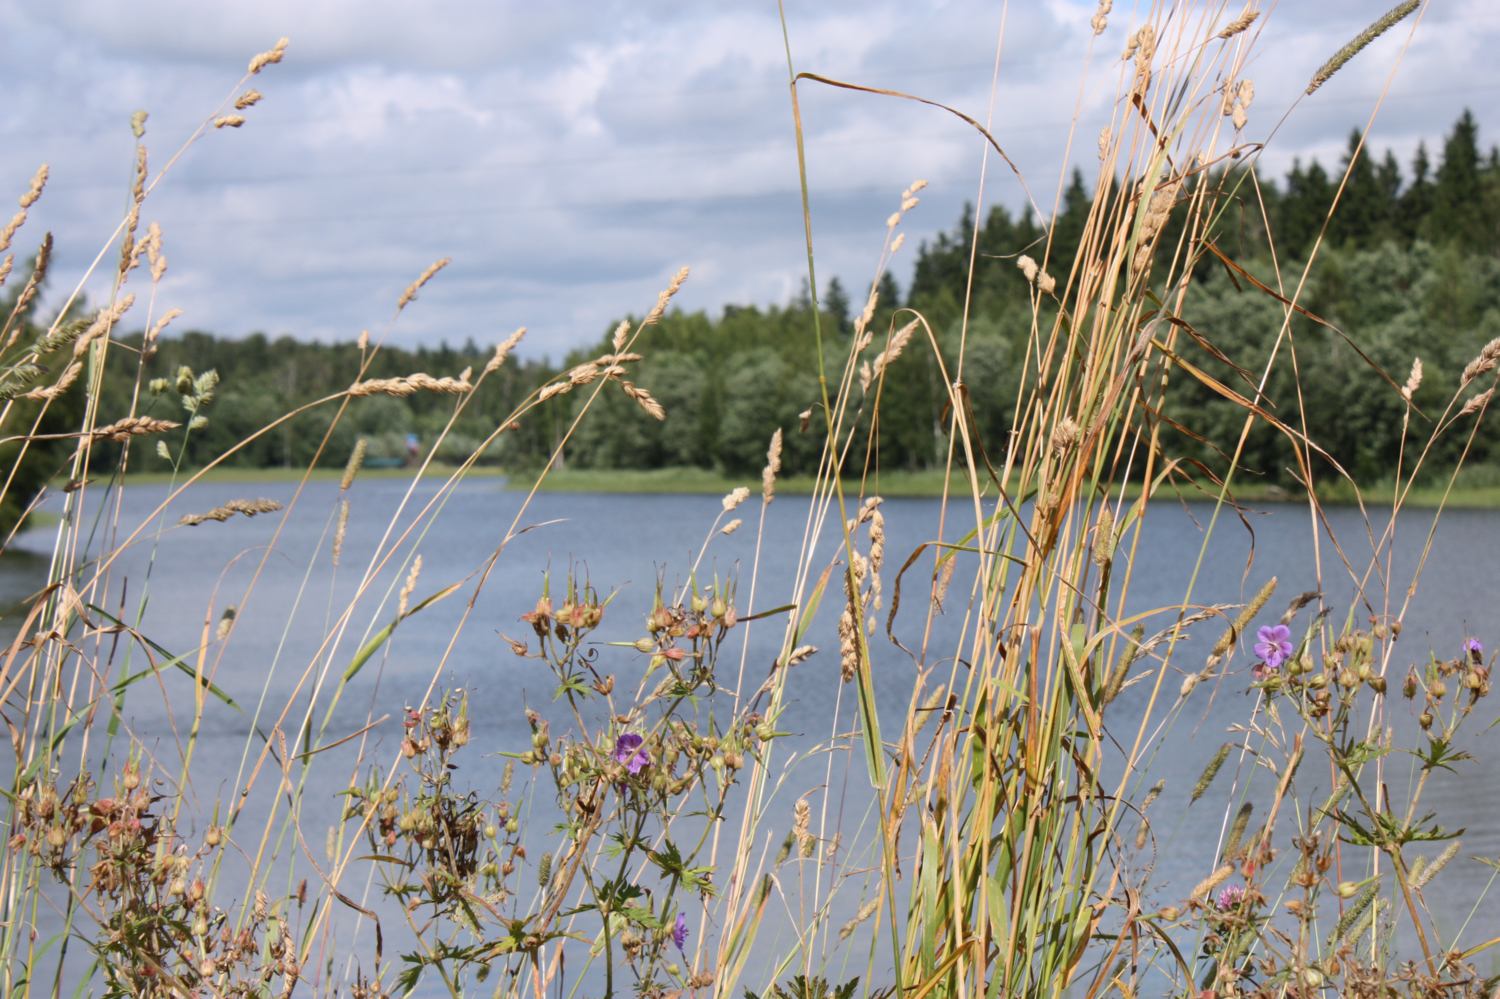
x,y
1410,267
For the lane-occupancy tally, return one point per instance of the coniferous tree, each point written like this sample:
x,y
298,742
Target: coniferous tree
x,y
1416,200
1460,210
1309,196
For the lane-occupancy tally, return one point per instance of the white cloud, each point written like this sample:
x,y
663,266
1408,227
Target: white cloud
x,y
570,157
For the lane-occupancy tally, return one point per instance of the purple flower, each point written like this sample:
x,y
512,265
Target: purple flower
x,y
1473,648
1275,645
680,932
629,752
1233,894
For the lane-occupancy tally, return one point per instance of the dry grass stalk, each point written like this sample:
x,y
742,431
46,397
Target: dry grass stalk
x,y
5,267
1476,402
1211,882
801,820
735,497
1485,362
662,299
27,200
412,289
338,531
1413,380
1374,31
1233,632
133,426
773,466
732,526
412,383
410,587
248,99
249,508
1240,23
69,376
265,59
1100,20
352,466
502,351
102,324
642,397
893,350
229,121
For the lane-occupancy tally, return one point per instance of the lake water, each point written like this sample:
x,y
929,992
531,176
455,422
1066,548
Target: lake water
x,y
627,542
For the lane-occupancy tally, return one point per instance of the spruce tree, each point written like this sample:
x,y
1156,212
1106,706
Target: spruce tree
x,y
1460,211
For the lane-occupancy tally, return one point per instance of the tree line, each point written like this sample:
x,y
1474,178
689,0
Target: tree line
x,y
1409,267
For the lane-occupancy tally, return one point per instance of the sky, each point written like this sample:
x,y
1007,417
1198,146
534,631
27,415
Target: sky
x,y
570,157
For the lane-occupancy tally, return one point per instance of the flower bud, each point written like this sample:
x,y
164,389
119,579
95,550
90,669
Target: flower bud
x,y
643,645
177,887
1318,681
699,604
718,607
214,835
1347,679
1377,683
512,824
206,967
1438,689
1425,720
200,926
764,731
490,831
1347,889
408,748
196,889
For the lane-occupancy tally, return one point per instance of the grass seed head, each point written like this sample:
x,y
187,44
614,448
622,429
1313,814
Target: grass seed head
x,y
1210,772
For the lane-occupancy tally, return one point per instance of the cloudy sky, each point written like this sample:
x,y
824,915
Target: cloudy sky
x,y
570,156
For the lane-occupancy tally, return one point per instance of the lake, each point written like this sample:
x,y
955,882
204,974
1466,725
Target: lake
x,y
277,653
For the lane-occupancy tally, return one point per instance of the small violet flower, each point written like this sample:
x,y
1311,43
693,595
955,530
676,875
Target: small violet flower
x,y
680,931
1275,645
1232,895
1474,649
629,752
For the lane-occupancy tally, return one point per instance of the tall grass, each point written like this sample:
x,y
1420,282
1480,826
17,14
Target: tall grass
x,y
652,836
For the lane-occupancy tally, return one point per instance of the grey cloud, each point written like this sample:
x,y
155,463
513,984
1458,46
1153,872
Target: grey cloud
x,y
570,157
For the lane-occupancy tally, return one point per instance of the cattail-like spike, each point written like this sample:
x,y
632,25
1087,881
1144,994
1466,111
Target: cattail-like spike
x,y
1236,833
1374,31
544,871
1128,655
355,462
1420,881
1211,882
1340,788
1210,772
1246,615
1353,913
338,532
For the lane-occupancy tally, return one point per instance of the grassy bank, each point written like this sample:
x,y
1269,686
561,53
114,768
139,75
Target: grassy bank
x,y
926,483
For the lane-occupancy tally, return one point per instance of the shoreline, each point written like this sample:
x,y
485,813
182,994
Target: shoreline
x,y
697,481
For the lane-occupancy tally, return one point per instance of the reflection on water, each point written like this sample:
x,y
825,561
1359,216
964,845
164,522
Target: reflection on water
x,y
288,644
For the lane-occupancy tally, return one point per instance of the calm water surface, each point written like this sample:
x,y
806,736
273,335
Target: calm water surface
x,y
626,542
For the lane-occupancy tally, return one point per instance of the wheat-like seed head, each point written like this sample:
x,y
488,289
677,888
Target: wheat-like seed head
x,y
265,59
411,289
